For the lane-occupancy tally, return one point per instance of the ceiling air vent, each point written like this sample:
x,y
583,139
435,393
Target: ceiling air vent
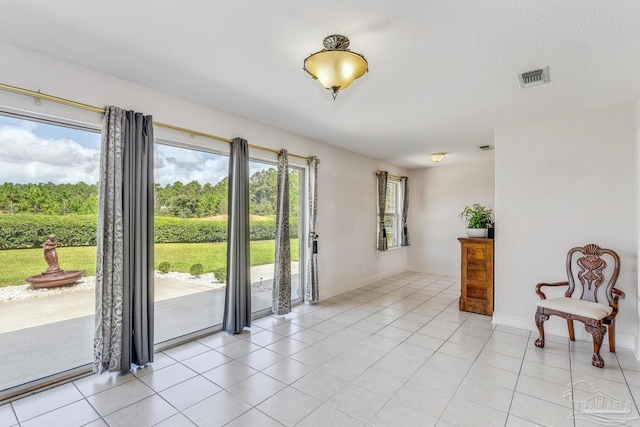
x,y
534,78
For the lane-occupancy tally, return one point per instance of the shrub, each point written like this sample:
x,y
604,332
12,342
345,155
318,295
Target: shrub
x,y
220,274
186,230
266,229
20,231
164,267
196,270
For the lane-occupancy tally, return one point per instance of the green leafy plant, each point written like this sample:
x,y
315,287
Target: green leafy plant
x,y
164,267
196,270
477,216
220,274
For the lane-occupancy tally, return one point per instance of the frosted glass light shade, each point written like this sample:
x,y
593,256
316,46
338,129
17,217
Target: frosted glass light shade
x,y
336,69
437,157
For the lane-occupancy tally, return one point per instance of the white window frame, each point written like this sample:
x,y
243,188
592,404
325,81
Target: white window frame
x,y
394,240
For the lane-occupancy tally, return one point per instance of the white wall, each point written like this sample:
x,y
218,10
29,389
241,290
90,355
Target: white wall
x,y
346,220
562,182
637,214
437,196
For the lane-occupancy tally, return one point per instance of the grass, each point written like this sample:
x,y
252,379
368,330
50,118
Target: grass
x,y
225,217
17,264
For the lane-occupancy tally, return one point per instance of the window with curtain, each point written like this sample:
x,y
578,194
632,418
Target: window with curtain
x,y
48,185
262,208
393,213
190,249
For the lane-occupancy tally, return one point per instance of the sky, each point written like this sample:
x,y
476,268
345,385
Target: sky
x,y
33,152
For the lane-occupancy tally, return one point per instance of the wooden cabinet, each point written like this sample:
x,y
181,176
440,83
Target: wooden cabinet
x,y
476,275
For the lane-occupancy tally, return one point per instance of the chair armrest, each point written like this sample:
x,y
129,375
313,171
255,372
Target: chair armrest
x,y
617,293
540,285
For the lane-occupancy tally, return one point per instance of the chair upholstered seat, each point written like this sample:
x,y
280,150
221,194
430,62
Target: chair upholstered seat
x,y
586,266
578,307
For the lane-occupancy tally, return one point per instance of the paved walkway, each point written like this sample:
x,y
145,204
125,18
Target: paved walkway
x,y
22,314
47,335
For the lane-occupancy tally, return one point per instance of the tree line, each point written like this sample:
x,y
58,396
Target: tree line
x,y
191,200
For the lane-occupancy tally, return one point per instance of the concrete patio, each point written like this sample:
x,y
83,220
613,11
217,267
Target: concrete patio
x,y
43,336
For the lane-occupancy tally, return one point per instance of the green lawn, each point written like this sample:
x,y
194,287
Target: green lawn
x,y
17,264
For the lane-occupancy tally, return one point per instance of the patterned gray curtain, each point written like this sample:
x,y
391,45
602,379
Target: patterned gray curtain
x,y
382,202
405,210
124,268
281,302
237,305
311,287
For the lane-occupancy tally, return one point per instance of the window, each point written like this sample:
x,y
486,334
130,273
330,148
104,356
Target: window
x,y
393,213
263,188
49,174
191,200
190,249
48,185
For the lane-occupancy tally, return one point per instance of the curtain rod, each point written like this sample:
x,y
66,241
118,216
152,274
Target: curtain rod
x,y
39,95
391,175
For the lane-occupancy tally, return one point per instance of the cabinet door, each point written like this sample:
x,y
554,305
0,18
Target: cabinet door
x,y
477,276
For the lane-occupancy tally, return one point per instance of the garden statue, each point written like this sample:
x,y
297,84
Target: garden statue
x,y
50,254
54,276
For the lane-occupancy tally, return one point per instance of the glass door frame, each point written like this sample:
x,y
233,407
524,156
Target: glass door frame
x,y
302,230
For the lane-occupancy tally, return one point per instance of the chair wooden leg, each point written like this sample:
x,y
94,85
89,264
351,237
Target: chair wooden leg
x,y
597,331
612,336
540,319
572,335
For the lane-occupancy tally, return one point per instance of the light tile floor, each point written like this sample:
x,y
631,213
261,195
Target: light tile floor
x,y
393,353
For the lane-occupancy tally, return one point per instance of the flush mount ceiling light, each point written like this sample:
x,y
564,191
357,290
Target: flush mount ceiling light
x,y
436,157
335,66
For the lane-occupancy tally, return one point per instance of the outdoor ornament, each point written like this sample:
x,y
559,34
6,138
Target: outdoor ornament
x,y
54,276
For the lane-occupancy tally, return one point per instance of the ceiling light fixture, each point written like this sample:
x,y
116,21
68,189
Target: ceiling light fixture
x,y
437,157
335,66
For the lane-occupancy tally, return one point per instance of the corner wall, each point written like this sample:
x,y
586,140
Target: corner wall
x,y
637,211
346,220
562,182
437,196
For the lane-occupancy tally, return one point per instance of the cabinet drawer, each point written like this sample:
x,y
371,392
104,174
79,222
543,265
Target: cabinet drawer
x,y
477,291
477,253
476,271
474,306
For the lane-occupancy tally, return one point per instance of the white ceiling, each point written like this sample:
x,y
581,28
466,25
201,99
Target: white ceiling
x,y
441,75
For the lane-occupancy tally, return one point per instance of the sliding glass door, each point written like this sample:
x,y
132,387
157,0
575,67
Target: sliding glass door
x,y
262,208
190,250
48,221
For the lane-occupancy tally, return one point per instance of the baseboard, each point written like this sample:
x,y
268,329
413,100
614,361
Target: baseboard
x,y
434,270
349,286
557,326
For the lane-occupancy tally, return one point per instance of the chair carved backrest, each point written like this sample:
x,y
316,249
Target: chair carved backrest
x,y
591,275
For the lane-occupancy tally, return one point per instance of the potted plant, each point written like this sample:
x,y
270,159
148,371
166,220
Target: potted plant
x,y
477,219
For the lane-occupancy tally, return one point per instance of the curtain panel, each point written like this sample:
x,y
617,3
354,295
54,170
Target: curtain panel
x,y
124,265
237,305
311,288
404,241
382,203
281,300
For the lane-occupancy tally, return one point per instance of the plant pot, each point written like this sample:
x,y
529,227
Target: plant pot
x,y
476,232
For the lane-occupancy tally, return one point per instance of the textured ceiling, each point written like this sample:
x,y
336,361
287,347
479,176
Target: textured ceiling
x,y
441,75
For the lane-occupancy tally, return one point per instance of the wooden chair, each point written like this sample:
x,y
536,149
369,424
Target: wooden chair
x,y
586,309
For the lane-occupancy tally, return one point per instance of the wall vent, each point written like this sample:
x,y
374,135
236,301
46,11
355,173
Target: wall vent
x,y
534,77
486,147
